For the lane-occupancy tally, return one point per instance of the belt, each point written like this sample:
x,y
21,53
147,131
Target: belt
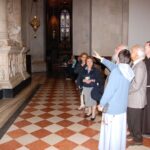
x,y
148,86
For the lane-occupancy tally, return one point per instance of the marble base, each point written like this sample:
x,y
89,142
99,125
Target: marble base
x,y
1,94
10,93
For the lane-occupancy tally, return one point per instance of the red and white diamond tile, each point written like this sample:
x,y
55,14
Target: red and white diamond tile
x,y
51,121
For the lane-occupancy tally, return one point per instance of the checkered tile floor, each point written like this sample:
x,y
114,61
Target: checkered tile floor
x,y
51,121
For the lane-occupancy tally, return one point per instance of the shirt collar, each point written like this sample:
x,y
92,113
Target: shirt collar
x,y
137,61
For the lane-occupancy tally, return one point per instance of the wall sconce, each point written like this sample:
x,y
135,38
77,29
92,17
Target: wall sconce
x,y
35,21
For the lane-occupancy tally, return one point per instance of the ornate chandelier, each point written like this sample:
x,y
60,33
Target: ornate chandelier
x,y
35,21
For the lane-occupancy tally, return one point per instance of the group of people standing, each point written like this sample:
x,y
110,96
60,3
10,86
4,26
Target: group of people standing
x,y
125,102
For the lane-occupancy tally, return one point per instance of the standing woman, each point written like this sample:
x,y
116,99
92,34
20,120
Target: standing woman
x,y
114,102
87,80
77,70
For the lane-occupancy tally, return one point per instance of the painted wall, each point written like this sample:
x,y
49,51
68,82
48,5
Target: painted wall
x,y
139,22
106,25
109,25
81,25
36,45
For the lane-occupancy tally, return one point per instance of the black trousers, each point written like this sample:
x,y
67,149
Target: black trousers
x,y
134,120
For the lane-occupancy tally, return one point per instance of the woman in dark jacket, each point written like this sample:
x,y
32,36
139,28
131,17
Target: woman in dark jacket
x,y
88,79
77,70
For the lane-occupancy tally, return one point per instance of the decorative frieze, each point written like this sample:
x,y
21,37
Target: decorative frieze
x,y
12,67
22,63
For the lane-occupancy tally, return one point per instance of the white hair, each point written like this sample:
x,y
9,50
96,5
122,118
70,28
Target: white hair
x,y
140,52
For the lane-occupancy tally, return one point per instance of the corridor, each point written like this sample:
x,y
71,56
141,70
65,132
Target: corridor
x,y
51,121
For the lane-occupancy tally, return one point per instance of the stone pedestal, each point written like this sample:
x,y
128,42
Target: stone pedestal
x,y
13,74
12,70
10,74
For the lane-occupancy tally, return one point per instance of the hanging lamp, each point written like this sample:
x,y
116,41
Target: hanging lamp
x,y
35,21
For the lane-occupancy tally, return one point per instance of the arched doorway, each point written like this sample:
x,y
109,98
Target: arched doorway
x,y
58,34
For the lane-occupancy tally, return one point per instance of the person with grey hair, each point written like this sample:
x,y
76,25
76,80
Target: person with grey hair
x,y
137,95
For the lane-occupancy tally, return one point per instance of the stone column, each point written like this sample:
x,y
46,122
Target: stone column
x,y
14,22
17,14
3,23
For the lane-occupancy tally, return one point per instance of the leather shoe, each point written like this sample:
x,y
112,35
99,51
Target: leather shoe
x,y
87,115
92,119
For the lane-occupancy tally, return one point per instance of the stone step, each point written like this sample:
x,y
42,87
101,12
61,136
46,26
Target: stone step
x,y
10,108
